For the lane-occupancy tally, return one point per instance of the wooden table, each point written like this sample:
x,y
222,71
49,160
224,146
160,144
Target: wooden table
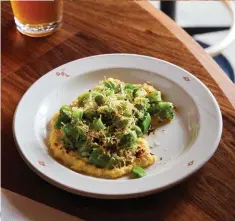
x,y
112,27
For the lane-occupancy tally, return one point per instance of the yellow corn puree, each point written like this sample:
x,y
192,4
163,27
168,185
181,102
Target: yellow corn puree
x,y
79,164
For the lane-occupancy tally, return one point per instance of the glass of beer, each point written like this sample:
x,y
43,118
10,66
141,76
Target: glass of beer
x,y
37,18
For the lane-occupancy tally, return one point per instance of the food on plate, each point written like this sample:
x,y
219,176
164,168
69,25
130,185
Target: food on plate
x,y
102,133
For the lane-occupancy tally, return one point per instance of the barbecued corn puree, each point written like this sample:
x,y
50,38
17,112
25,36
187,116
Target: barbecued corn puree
x,y
79,164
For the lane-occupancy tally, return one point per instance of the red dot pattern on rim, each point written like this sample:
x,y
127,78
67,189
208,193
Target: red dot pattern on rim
x,y
62,74
186,79
41,163
191,163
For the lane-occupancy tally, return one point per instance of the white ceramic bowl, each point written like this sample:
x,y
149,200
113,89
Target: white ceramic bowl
x,y
184,145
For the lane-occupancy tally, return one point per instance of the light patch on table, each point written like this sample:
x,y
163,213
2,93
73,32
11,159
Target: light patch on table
x,y
15,207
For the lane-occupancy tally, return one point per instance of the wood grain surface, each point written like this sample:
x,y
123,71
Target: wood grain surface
x,y
98,27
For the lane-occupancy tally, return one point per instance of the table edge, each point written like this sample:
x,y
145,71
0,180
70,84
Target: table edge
x,y
222,80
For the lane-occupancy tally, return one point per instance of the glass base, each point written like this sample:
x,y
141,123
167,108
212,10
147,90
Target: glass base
x,y
37,30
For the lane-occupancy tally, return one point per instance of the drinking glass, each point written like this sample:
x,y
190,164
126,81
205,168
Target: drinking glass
x,y
37,18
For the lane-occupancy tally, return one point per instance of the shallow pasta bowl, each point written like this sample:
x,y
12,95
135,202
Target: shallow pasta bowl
x,y
182,146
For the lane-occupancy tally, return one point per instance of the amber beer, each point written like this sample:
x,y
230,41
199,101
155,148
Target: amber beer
x,y
37,18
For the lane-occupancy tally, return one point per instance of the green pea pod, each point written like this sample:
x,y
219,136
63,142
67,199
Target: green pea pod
x,y
137,130
140,93
114,162
98,158
64,117
77,115
90,115
145,123
123,122
83,98
138,172
164,110
94,93
131,87
70,132
154,96
68,143
70,135
128,140
108,92
66,110
97,124
141,103
125,108
81,136
58,123
109,84
106,114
